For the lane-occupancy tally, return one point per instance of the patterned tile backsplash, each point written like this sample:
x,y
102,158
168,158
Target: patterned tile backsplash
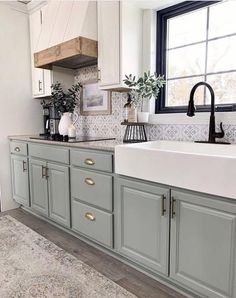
x,y
109,125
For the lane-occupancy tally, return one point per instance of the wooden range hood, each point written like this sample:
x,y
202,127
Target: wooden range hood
x,y
74,53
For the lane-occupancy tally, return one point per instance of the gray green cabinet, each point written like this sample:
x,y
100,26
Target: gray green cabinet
x,y
38,186
186,237
58,193
203,244
142,223
20,179
198,230
50,190
92,188
92,222
92,195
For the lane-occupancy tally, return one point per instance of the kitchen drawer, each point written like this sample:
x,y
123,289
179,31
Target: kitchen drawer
x,y
91,187
49,153
92,160
18,148
91,222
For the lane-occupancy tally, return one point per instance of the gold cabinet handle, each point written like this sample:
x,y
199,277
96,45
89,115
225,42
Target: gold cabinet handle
x,y
24,166
44,172
17,149
163,209
173,207
89,181
90,216
89,161
47,175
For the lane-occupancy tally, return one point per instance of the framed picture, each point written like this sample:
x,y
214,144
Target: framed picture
x,y
94,101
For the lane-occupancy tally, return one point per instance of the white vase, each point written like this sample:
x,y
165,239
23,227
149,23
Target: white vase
x,y
143,117
64,124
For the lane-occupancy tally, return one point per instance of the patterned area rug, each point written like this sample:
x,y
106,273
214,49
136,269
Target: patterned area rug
x,y
32,266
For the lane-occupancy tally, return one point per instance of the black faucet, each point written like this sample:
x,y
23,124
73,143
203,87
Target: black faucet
x,y
191,112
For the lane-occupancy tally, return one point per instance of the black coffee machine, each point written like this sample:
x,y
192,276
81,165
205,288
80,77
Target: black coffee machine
x,y
51,120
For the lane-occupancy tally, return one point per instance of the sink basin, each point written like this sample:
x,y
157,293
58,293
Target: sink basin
x,y
207,168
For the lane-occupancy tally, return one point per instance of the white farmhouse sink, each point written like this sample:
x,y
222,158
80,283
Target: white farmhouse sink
x,y
207,168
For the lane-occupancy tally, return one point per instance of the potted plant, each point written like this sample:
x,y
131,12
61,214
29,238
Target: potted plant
x,y
143,89
65,104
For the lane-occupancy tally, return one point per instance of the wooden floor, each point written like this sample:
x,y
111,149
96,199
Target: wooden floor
x,y
127,277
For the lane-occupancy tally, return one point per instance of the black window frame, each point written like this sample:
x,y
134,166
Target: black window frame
x,y
161,39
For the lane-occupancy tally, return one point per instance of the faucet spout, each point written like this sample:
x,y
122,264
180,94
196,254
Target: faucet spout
x,y
191,112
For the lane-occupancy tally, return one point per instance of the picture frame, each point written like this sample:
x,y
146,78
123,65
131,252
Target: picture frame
x,y
94,101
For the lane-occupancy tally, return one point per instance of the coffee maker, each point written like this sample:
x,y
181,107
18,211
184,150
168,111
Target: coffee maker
x,y
51,120
54,119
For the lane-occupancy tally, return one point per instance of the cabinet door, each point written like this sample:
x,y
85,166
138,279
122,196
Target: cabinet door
x,y
142,223
49,15
58,190
41,78
37,73
109,42
38,186
20,179
37,81
203,251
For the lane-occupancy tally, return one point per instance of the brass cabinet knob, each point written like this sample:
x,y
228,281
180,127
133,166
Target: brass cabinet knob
x,y
17,149
90,216
89,181
89,161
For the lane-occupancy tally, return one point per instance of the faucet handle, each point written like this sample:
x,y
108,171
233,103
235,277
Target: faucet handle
x,y
220,134
222,130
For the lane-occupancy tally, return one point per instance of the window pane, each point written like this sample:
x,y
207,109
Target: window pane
x,y
221,54
178,91
224,86
222,19
186,61
180,34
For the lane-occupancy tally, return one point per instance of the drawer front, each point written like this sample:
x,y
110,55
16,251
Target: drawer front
x,y
92,222
92,160
93,188
18,148
49,153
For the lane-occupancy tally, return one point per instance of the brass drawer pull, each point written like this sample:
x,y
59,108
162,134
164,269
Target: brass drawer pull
x,y
90,216
17,149
89,162
89,181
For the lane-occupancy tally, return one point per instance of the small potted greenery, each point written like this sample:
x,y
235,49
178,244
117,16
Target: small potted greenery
x,y
65,104
143,89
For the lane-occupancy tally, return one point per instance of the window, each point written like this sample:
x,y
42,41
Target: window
x,y
196,41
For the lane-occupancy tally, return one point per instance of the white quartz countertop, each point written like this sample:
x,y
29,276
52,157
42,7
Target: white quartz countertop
x,y
106,145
